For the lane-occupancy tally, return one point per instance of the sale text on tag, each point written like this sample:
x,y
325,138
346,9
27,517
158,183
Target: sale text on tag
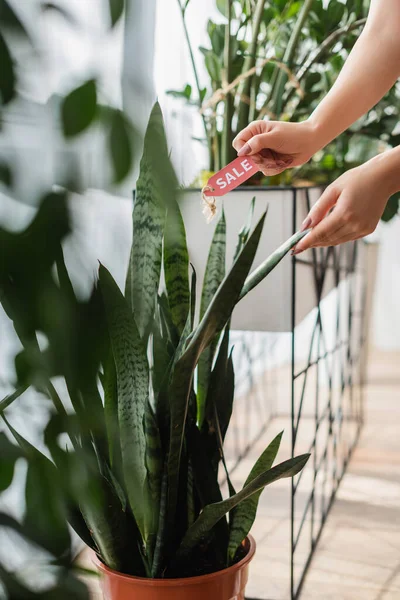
x,y
230,177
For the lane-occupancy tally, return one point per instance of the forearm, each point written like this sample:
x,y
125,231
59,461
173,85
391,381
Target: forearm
x,y
370,71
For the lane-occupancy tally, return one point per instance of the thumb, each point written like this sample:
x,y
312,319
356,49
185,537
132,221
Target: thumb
x,y
257,143
321,207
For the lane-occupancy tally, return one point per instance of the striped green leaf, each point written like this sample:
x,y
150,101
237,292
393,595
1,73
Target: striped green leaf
x,y
270,263
244,515
132,371
154,468
214,512
215,318
176,266
161,533
111,410
214,275
155,187
245,231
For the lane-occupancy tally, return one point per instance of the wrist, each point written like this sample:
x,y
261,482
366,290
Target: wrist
x,y
386,168
317,131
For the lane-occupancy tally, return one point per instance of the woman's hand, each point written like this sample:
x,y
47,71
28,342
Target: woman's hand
x,y
277,145
358,199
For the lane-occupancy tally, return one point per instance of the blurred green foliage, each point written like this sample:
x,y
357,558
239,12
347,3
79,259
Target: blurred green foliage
x,y
34,301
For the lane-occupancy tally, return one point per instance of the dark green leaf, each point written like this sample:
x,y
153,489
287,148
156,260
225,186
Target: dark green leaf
x,y
154,468
392,208
176,267
12,397
213,277
132,371
218,313
244,515
7,73
111,410
121,145
46,510
214,512
6,175
9,19
116,10
79,109
155,187
185,93
9,454
269,265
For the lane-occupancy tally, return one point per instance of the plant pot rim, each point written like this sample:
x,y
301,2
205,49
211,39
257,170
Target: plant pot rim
x,y
144,581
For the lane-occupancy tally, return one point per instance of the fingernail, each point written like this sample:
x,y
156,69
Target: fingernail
x,y
296,251
245,150
306,224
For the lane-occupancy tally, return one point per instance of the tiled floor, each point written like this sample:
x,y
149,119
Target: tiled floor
x,y
358,557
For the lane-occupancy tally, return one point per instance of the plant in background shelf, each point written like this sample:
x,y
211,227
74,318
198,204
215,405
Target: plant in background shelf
x,y
139,478
277,60
269,59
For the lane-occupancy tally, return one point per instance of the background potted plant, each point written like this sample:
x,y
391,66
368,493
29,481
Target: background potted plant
x,y
138,476
275,60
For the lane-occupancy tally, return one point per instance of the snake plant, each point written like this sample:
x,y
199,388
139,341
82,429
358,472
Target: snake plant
x,y
150,388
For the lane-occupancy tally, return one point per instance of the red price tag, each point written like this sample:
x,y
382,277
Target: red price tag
x,y
229,178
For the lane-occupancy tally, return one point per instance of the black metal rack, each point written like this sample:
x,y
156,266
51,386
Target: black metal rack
x,y
329,382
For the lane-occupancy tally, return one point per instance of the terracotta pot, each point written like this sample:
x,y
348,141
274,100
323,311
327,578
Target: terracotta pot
x,y
228,584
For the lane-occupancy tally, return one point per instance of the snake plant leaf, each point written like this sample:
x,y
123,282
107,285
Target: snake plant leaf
x,y
215,318
161,533
214,512
215,269
161,357
205,477
156,186
245,231
227,295
133,394
176,266
270,263
245,513
111,409
154,468
214,275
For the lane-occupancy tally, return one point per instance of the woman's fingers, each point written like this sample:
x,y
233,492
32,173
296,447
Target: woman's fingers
x,y
255,128
257,143
321,208
326,233
269,163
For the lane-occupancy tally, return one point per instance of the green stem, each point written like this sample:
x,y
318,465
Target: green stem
x,y
288,57
196,77
249,63
227,150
